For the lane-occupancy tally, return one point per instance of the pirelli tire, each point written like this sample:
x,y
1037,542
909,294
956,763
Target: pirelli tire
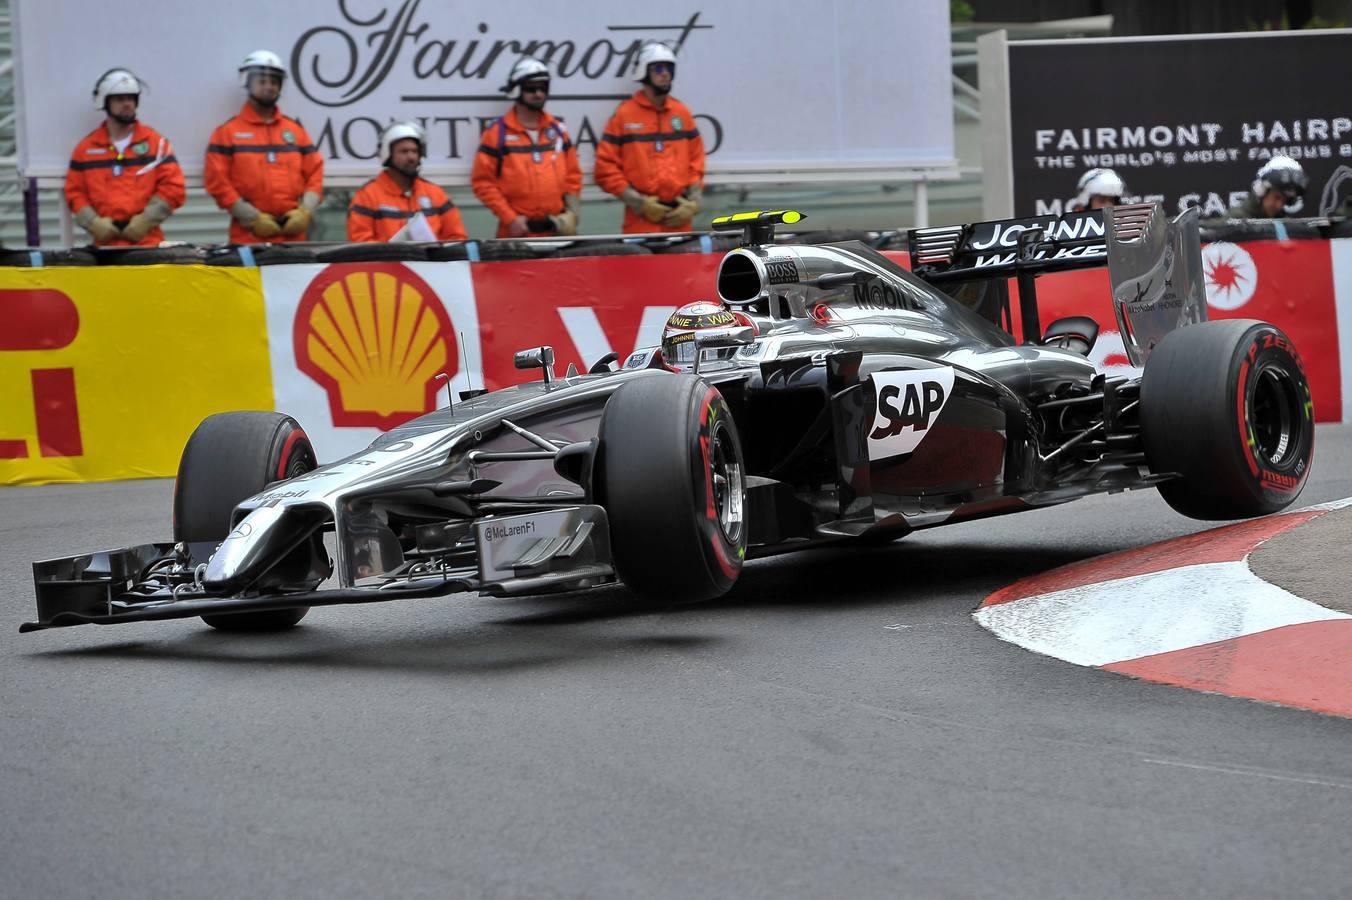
x,y
671,476
1226,405
232,456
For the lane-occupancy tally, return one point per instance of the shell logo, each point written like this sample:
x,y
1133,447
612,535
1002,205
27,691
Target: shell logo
x,y
375,337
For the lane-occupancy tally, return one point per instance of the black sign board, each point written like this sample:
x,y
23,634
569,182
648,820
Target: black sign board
x,y
1185,121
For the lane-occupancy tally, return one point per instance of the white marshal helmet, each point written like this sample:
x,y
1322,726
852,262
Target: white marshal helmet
x,y
527,68
653,52
1099,183
113,83
400,131
1282,174
261,61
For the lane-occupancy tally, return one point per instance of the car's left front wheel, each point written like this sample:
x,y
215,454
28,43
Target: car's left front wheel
x,y
672,479
229,458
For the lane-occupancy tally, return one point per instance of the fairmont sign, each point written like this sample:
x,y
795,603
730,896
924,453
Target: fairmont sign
x,y
357,65
1186,121
340,64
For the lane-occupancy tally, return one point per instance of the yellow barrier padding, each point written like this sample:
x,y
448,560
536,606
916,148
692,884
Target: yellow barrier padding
x,y
105,372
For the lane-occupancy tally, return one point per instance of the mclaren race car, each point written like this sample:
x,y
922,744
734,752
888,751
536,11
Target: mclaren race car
x,y
829,395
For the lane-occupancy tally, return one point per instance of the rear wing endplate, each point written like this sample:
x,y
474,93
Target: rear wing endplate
x,y
1154,265
1155,272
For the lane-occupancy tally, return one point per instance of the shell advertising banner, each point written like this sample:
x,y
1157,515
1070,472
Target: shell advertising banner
x,y
358,348
105,372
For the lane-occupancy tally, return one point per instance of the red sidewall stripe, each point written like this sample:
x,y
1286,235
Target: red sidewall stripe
x,y
291,440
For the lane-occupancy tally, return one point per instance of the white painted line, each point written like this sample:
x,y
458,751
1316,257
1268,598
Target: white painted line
x,y
1127,618
1252,773
1332,504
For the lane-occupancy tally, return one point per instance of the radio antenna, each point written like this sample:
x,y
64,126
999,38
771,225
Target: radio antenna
x,y
469,381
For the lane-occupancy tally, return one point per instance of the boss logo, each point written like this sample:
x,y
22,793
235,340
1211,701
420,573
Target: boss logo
x,y
908,404
781,272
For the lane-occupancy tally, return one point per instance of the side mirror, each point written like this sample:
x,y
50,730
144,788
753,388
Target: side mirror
x,y
723,337
536,358
726,337
1076,333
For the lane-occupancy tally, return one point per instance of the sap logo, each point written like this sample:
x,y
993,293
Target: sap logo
x,y
908,404
906,408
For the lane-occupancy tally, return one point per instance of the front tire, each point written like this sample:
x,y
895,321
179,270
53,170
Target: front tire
x,y
671,478
230,457
1227,406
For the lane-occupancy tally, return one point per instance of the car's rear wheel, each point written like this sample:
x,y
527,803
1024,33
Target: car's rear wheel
x,y
1227,406
230,457
670,474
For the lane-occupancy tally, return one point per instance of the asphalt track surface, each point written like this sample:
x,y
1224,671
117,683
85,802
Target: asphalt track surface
x,y
838,726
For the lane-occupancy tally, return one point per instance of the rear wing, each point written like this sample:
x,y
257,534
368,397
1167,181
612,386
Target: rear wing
x,y
1005,247
1154,265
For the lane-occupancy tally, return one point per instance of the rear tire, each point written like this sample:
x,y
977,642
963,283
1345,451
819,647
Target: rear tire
x,y
1227,406
671,478
230,457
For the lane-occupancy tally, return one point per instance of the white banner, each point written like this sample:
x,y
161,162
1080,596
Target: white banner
x,y
356,350
778,87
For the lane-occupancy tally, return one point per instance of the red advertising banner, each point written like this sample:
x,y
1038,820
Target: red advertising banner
x,y
584,308
1287,283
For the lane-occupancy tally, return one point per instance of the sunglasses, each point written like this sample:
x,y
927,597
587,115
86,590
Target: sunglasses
x,y
535,87
661,69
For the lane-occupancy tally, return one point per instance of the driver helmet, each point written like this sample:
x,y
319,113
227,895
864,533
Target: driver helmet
x,y
1282,174
700,317
1099,183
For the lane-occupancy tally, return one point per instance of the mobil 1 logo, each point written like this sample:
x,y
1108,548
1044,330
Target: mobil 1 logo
x,y
908,404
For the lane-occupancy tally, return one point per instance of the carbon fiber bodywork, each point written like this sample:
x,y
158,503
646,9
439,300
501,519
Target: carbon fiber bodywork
x,y
869,402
